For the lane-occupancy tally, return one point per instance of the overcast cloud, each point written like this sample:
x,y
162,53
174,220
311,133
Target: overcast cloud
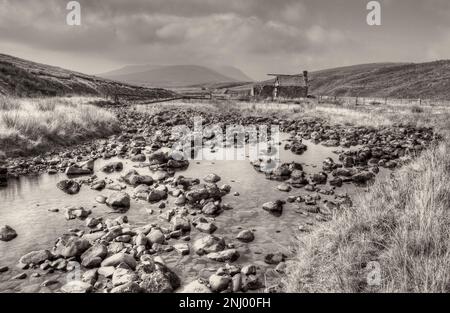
x,y
258,36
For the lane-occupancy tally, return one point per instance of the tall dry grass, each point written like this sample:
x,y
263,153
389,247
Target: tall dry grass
x,y
399,231
34,125
403,224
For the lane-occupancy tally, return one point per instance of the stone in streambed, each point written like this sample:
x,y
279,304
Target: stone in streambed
x,y
246,236
7,233
229,255
35,257
274,207
69,186
118,258
119,200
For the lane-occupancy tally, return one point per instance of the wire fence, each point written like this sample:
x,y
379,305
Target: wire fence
x,y
351,101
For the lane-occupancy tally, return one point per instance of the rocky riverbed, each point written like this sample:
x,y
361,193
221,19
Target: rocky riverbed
x,y
124,215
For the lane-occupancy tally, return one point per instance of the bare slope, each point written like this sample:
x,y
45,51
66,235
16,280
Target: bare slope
x,y
19,77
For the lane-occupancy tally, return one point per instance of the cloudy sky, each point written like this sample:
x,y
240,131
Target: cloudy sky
x,y
257,36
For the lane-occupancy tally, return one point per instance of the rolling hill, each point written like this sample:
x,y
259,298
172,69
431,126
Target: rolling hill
x,y
429,80
24,78
176,75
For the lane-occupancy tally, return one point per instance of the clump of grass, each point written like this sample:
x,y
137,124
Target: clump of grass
x,y
416,109
36,125
403,224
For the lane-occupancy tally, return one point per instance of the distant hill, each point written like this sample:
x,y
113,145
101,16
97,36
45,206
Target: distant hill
x,y
233,72
176,75
24,78
429,80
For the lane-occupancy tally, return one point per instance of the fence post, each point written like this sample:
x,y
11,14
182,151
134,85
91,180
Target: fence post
x,y
3,176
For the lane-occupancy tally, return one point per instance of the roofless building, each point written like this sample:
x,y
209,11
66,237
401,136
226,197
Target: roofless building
x,y
284,86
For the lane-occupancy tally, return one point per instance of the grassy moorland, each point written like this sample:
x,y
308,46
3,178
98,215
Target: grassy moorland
x,y
36,125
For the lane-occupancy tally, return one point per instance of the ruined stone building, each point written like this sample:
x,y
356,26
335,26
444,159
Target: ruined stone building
x,y
284,86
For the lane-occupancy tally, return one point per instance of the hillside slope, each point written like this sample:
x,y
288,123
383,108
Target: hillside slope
x,y
19,77
169,76
397,80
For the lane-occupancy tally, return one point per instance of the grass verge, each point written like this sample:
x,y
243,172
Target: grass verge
x,y
395,238
30,126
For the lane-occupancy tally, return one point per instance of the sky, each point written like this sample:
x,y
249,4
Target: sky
x,y
256,36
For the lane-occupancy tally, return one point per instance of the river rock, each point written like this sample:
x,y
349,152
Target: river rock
x,y
118,258
181,223
111,167
35,257
72,213
246,236
133,178
76,286
229,255
274,207
156,282
284,187
211,209
205,226
7,233
274,258
158,157
119,200
336,181
157,194
363,177
98,185
70,187
211,178
131,287
138,158
123,276
208,244
156,236
160,175
251,282
75,170
320,178
249,269
90,276
94,256
219,283
182,248
106,271
71,246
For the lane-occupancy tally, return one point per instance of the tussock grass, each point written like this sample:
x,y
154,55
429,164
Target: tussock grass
x,y
403,223
35,125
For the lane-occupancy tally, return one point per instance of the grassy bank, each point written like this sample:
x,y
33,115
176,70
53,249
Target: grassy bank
x,y
396,237
403,224
36,125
